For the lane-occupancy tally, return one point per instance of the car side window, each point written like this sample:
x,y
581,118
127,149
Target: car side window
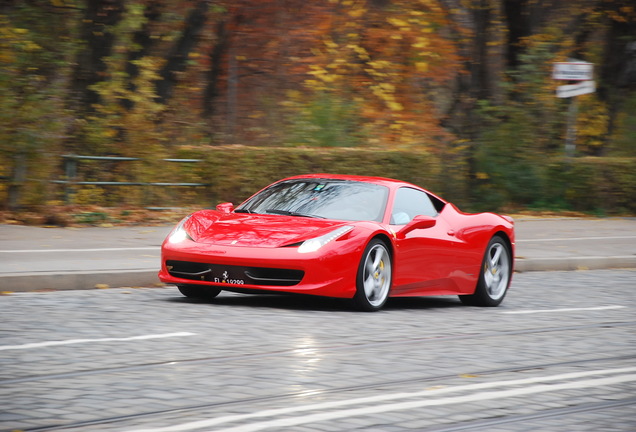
x,y
409,203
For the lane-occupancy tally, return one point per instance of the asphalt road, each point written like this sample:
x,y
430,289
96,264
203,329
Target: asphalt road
x,y
81,258
557,355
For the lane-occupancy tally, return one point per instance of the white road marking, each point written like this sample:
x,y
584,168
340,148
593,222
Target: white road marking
x,y
532,311
574,239
77,341
476,397
378,407
79,250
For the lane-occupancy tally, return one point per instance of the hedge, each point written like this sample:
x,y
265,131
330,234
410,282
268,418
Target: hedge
x,y
601,185
233,173
606,185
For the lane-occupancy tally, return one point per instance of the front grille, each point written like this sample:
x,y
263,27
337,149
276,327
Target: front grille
x,y
237,275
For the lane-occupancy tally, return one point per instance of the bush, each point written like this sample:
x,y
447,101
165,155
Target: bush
x,y
591,184
233,173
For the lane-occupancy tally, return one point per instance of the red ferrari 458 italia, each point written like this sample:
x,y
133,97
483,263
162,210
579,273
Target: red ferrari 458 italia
x,y
363,238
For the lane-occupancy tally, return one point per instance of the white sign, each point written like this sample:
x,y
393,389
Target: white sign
x,y
584,87
574,71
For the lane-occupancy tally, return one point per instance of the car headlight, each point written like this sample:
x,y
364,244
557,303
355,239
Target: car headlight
x,y
179,234
312,245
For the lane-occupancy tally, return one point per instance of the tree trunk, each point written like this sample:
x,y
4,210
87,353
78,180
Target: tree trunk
x,y
216,65
618,69
518,23
181,50
99,17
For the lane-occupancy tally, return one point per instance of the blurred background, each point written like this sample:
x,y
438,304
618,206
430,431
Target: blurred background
x,y
132,104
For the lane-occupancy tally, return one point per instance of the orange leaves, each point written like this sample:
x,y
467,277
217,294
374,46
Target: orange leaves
x,y
391,60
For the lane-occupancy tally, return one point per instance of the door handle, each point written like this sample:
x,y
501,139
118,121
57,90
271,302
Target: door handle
x,y
451,233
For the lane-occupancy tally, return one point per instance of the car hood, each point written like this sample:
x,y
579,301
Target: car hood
x,y
255,230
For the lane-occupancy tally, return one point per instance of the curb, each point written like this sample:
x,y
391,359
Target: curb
x,y
59,281
27,282
575,263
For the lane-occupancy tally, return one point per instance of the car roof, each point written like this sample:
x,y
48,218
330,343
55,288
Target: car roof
x,y
367,179
388,182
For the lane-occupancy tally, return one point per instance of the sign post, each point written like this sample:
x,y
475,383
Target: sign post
x,y
579,71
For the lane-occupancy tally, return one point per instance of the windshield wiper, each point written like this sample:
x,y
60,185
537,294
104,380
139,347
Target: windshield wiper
x,y
292,213
243,211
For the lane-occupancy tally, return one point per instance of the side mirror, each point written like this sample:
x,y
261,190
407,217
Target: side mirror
x,y
418,222
226,207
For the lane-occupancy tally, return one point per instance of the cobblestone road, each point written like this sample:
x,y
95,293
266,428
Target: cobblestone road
x,y
558,355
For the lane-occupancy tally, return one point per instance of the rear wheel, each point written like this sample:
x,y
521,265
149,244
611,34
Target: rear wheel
x,y
374,277
199,291
494,278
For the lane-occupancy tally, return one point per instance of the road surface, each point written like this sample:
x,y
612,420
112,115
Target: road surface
x,y
557,355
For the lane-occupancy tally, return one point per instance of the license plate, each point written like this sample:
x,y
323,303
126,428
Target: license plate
x,y
227,279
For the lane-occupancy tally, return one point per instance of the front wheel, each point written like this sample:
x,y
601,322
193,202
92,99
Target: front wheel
x,y
199,291
373,282
494,277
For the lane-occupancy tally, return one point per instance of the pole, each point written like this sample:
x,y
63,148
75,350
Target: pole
x,y
570,134
17,181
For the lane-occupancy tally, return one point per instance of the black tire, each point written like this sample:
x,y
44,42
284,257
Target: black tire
x,y
494,277
199,291
374,279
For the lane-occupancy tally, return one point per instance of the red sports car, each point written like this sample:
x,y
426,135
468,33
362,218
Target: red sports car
x,y
364,238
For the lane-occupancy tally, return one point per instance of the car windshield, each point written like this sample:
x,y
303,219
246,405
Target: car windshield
x,y
321,198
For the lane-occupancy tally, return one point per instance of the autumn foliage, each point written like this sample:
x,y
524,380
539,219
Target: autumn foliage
x,y
465,82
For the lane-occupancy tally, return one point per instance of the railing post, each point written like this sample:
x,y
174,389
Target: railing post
x,y
18,178
70,169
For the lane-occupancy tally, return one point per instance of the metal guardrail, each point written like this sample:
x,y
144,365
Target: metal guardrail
x,y
70,169
15,181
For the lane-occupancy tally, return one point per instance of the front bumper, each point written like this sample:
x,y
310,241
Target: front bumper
x,y
329,272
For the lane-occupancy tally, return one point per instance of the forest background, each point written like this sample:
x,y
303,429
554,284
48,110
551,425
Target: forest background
x,y
454,95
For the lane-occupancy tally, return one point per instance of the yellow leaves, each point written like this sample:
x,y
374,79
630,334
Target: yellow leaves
x,y
386,92
397,22
420,43
395,106
109,133
482,176
357,12
329,43
314,85
388,87
322,74
421,67
592,122
14,40
360,51
381,66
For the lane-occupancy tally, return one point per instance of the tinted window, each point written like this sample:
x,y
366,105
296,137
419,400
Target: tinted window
x,y
325,198
410,203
